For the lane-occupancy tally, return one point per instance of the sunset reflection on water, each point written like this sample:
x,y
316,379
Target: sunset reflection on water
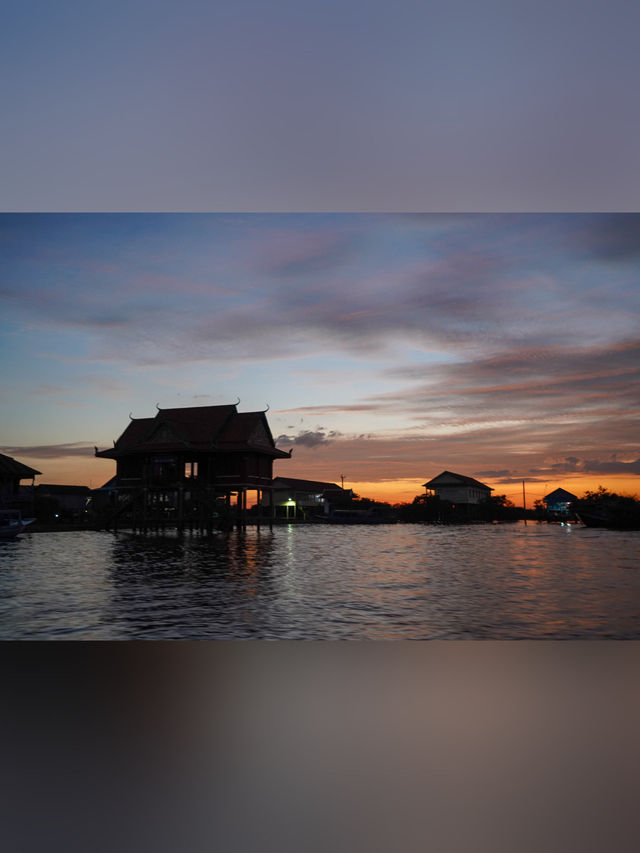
x,y
511,581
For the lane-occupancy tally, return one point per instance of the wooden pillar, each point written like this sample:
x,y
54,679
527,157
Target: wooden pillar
x,y
180,509
145,509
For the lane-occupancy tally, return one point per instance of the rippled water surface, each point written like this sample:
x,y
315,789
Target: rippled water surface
x,y
314,582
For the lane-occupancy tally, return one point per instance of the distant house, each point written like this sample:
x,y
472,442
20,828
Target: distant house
x,y
186,464
458,489
559,501
307,496
11,472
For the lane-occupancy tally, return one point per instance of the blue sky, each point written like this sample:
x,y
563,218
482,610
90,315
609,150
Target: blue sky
x,y
387,346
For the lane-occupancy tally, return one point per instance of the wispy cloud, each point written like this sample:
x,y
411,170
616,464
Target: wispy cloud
x,y
50,451
489,283
574,464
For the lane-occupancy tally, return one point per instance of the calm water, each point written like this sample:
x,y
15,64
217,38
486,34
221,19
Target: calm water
x,y
397,581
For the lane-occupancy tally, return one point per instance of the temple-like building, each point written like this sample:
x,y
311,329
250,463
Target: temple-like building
x,y
187,467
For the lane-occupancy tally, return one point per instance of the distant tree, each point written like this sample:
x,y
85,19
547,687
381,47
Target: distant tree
x,y
501,501
599,494
540,509
500,508
623,511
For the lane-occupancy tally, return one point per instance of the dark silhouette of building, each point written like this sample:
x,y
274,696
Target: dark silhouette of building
x,y
69,503
187,466
306,498
559,503
11,472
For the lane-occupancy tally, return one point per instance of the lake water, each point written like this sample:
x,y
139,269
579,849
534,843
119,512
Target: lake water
x,y
511,581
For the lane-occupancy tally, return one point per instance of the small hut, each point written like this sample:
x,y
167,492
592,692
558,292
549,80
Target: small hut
x,y
558,503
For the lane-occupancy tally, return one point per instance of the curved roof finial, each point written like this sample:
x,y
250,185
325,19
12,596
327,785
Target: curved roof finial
x,y
158,407
237,403
131,418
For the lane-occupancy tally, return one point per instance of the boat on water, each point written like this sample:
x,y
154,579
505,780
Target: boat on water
x,y
12,523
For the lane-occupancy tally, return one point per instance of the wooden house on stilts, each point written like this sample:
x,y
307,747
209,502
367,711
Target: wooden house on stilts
x,y
191,468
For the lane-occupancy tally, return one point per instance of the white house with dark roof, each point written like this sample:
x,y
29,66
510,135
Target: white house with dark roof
x,y
458,489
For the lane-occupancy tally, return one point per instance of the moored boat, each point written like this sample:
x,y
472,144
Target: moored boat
x,y
12,523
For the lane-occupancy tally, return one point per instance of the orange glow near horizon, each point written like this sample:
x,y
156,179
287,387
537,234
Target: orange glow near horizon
x,y
404,491
94,473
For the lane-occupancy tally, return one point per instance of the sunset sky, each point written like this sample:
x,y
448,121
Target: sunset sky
x,y
388,347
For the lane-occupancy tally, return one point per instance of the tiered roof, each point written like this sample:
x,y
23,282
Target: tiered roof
x,y
198,428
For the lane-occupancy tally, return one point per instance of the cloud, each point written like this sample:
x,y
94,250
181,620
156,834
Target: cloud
x,y
50,451
594,466
322,409
569,465
474,284
532,387
609,237
308,438
574,464
509,481
295,254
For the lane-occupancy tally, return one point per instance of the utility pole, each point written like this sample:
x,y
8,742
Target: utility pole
x,y
342,480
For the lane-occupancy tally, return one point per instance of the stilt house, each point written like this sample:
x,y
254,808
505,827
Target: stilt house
x,y
186,466
558,502
458,488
